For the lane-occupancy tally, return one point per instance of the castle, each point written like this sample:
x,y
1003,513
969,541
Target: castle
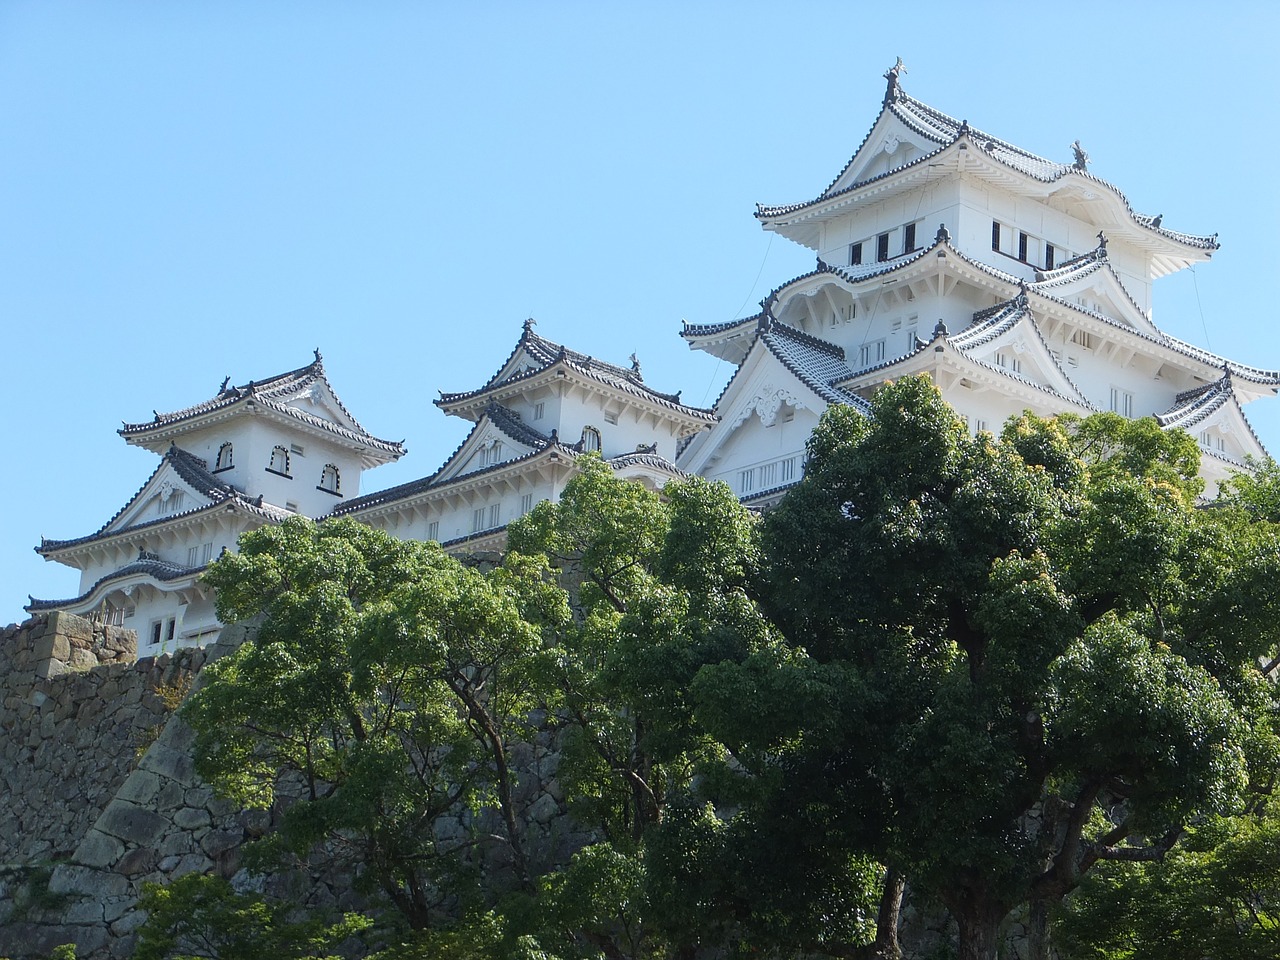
x,y
1015,282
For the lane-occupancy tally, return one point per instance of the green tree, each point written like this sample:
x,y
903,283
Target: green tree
x,y
389,682
1005,660
658,588
203,917
1217,894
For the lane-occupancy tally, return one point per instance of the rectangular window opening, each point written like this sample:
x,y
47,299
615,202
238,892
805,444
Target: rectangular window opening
x,y
882,248
909,238
995,235
1022,247
855,254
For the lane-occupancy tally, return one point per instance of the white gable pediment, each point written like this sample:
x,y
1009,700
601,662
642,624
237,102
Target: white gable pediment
x,y
316,400
486,447
166,494
762,396
1101,292
1020,352
889,145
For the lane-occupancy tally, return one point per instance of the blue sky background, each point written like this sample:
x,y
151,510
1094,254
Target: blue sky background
x,y
190,190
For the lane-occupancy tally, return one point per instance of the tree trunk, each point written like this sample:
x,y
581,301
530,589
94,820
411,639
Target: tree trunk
x,y
886,944
1038,931
980,932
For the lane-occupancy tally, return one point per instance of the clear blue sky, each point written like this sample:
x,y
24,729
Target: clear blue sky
x,y
195,189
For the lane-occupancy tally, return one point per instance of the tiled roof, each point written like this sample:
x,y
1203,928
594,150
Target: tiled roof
x,y
819,365
646,460
1192,407
194,471
711,329
430,484
944,130
274,394
513,425
161,570
546,353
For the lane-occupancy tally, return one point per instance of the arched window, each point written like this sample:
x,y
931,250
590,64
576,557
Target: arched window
x,y
330,481
279,461
590,442
226,459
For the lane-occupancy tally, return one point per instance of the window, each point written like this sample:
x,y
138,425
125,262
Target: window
x,y
433,530
477,520
171,629
491,454
1022,247
526,503
848,312
157,631
291,506
882,248
172,503
226,459
787,470
296,448
1122,402
611,418
279,462
995,235
870,353
199,554
1048,256
909,238
769,475
539,410
590,442
746,481
855,254
330,480
1082,338
1008,361
495,513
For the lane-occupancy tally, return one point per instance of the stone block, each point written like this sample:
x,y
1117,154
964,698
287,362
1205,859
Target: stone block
x,y
137,862
131,823
191,863
140,787
217,842
52,646
167,762
70,626
544,809
98,849
86,882
128,923
85,911
48,669
190,819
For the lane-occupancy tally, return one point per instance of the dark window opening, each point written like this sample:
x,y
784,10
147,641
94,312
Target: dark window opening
x,y
882,247
1022,247
1048,256
995,234
909,238
855,254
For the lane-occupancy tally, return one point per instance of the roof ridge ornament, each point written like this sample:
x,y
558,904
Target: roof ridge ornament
x,y
1081,158
1021,300
529,324
635,367
894,89
225,380
319,361
964,129
1101,252
940,329
943,235
1157,220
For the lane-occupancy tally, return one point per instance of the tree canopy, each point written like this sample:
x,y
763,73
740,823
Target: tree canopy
x,y
980,669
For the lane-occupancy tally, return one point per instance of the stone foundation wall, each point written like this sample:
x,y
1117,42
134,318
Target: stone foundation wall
x,y
101,794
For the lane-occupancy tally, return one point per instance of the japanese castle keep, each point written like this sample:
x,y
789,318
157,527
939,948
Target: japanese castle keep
x,y
1015,282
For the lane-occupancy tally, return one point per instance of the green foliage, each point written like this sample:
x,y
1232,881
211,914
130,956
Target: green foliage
x,y
390,681
202,916
1004,659
1217,894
